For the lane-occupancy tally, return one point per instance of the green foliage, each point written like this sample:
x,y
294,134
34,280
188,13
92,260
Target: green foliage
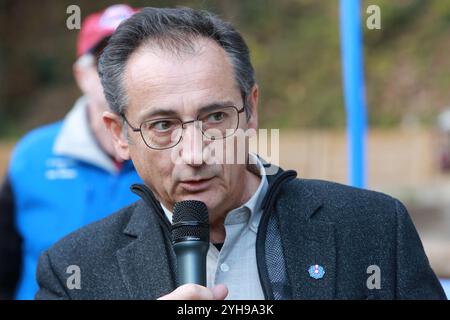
x,y
295,48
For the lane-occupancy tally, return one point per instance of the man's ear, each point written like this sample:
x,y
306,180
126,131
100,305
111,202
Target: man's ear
x,y
79,75
83,70
113,124
253,104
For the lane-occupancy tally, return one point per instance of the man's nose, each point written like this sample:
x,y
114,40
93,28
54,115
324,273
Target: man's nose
x,y
192,144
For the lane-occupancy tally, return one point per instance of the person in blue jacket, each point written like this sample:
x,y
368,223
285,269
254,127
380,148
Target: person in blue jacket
x,y
64,175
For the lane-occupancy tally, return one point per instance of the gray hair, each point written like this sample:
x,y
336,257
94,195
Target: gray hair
x,y
173,29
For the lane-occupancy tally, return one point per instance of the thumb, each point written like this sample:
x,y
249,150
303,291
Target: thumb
x,y
219,292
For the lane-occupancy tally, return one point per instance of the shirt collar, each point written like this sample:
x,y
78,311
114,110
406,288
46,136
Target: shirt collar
x,y
255,201
76,139
253,204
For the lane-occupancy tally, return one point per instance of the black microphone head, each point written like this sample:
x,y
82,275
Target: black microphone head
x,y
190,221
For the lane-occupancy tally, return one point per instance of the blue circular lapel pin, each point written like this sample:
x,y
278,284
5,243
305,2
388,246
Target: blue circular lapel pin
x,y
316,271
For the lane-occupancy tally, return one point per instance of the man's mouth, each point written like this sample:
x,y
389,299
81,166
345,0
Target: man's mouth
x,y
196,185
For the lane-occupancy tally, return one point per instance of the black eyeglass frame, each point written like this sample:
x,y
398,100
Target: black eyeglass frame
x,y
134,129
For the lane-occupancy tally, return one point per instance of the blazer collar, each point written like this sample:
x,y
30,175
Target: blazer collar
x,y
146,263
307,242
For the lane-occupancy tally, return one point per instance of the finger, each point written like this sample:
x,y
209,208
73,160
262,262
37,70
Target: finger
x,y
189,292
219,292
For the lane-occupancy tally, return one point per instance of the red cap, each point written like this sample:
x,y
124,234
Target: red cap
x,y
100,25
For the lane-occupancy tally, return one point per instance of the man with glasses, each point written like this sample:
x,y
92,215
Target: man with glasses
x,y
63,175
180,84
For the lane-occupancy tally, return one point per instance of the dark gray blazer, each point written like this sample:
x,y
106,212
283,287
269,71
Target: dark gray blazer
x,y
343,229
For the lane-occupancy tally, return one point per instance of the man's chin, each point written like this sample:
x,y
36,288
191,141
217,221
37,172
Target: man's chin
x,y
208,197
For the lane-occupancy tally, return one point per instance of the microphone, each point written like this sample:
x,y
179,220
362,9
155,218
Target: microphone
x,y
190,241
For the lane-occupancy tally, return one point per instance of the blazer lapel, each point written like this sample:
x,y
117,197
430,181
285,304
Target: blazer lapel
x,y
308,243
144,263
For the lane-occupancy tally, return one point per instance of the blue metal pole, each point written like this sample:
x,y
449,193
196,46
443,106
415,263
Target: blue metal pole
x,y
354,89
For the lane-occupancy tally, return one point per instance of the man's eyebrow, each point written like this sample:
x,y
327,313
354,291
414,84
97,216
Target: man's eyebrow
x,y
161,112
214,106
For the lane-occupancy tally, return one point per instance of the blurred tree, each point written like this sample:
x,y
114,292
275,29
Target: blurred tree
x,y
295,49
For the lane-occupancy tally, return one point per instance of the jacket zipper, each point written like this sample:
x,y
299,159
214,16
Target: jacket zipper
x,y
267,206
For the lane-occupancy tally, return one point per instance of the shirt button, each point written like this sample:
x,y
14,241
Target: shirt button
x,y
224,267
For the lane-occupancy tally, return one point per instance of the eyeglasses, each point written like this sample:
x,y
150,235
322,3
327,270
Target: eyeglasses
x,y
165,133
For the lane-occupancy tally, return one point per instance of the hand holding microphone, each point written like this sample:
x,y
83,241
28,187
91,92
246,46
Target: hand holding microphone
x,y
190,240
196,292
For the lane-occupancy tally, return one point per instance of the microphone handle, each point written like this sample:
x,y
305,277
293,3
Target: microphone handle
x,y
191,261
